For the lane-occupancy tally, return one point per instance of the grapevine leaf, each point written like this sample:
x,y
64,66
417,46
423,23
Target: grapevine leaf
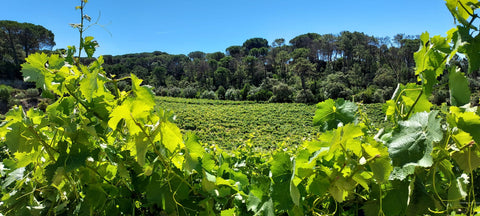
x,y
461,10
195,154
267,208
95,195
330,114
431,59
470,123
412,141
89,45
468,159
318,185
381,168
281,164
395,202
459,88
55,62
141,144
13,176
253,201
420,200
88,85
34,70
294,192
401,173
458,190
228,212
171,136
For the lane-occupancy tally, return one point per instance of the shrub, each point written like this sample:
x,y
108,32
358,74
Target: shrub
x,y
208,95
220,93
233,94
20,95
282,93
189,92
5,92
174,92
259,94
304,96
32,92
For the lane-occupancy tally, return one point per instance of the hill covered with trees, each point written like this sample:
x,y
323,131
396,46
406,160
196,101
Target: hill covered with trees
x,y
309,68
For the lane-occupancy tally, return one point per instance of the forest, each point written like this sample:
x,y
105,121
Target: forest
x,y
309,68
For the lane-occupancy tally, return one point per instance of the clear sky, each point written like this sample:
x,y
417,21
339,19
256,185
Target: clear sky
x,y
183,26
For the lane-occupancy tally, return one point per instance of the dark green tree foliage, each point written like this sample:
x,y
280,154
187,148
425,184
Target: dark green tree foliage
x,y
17,41
346,65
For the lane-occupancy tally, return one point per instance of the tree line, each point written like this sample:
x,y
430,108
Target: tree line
x,y
309,68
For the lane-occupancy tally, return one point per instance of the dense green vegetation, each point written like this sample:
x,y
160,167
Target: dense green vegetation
x,y
229,124
17,41
101,150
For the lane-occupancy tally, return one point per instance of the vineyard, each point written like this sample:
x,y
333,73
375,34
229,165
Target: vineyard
x,y
267,125
98,150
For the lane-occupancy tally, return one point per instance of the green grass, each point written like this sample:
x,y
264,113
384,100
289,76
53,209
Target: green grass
x,y
231,123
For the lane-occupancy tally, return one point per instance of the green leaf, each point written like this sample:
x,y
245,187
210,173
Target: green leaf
x,y
431,59
281,164
330,114
13,176
459,88
470,123
395,202
89,45
420,200
88,85
318,185
468,159
294,192
458,190
412,141
228,212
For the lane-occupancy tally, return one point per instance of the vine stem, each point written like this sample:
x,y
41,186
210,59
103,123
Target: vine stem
x,y
82,5
414,103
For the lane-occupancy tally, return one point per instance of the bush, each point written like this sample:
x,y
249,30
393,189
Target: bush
x,y
208,95
32,92
174,92
233,94
282,93
244,92
220,93
5,93
305,96
259,94
20,95
189,92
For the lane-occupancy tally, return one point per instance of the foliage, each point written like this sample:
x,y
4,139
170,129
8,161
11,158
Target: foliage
x,y
282,93
231,123
233,94
208,95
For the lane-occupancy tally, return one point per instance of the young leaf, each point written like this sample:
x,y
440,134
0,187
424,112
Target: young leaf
x,y
330,114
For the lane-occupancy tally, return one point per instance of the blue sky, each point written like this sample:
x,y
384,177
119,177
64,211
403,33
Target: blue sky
x,y
180,27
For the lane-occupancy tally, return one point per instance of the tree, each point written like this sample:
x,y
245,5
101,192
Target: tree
x,y
235,51
255,43
25,37
197,55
